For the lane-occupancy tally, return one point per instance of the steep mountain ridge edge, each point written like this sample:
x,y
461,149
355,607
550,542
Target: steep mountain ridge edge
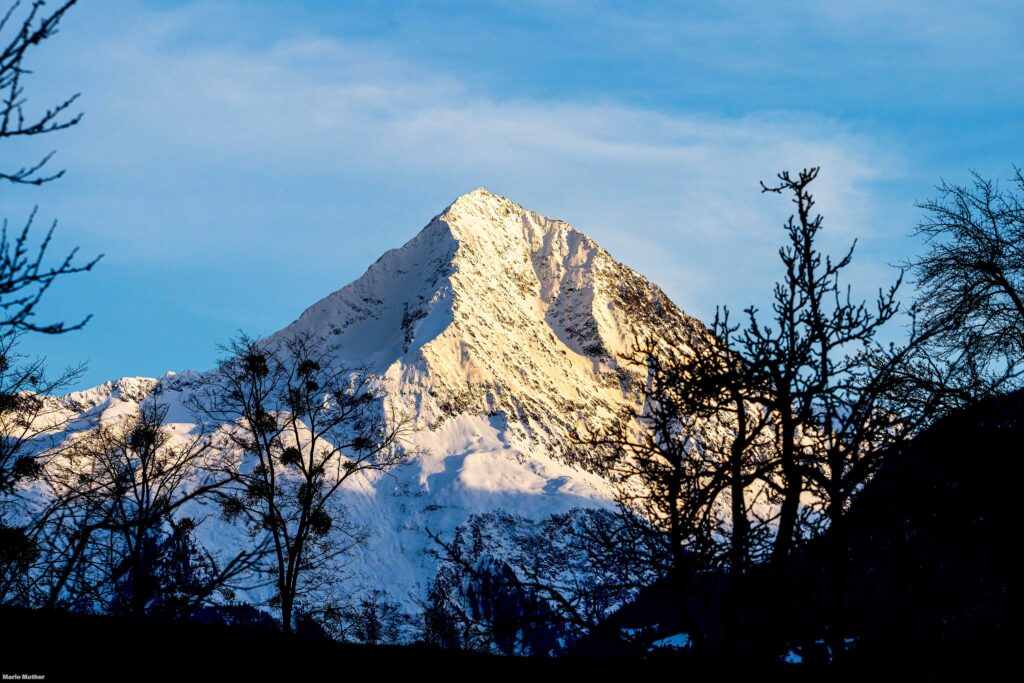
x,y
496,329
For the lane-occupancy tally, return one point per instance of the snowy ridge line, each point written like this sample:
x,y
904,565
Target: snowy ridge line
x,y
496,329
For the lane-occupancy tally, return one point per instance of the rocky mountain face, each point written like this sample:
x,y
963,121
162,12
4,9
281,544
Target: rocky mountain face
x,y
493,309
496,329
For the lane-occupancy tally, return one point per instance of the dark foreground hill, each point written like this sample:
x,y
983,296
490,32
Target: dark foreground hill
x,y
935,542
933,578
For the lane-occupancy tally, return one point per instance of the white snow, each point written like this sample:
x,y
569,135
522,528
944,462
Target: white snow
x,y
496,329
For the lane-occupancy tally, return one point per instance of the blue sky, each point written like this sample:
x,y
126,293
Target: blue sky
x,y
239,160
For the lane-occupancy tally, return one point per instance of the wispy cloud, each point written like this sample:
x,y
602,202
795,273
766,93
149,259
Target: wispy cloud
x,y
272,120
304,158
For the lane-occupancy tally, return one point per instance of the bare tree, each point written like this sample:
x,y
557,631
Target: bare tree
x,y
810,351
372,619
718,385
24,274
119,530
690,464
796,412
667,469
31,422
971,287
32,30
25,278
827,378
302,424
27,414
762,437
535,587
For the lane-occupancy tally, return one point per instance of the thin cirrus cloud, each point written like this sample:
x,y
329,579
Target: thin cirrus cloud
x,y
235,184
302,111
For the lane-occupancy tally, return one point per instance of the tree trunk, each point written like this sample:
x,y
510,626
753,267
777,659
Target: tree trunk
x,y
792,486
738,542
137,605
837,560
287,604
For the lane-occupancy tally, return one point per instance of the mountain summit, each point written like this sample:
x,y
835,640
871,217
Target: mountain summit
x,y
497,329
494,309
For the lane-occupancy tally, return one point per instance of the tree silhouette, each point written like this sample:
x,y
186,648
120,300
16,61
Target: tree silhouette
x,y
25,275
125,493
774,423
971,287
827,380
536,587
297,423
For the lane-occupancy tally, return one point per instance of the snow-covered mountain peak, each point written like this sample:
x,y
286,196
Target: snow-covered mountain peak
x,y
496,330
125,390
495,309
480,196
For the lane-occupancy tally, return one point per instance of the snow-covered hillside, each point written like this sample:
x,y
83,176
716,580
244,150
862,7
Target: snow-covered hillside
x,y
496,329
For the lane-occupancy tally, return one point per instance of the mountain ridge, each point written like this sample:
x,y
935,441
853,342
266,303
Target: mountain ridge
x,y
493,296
496,329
